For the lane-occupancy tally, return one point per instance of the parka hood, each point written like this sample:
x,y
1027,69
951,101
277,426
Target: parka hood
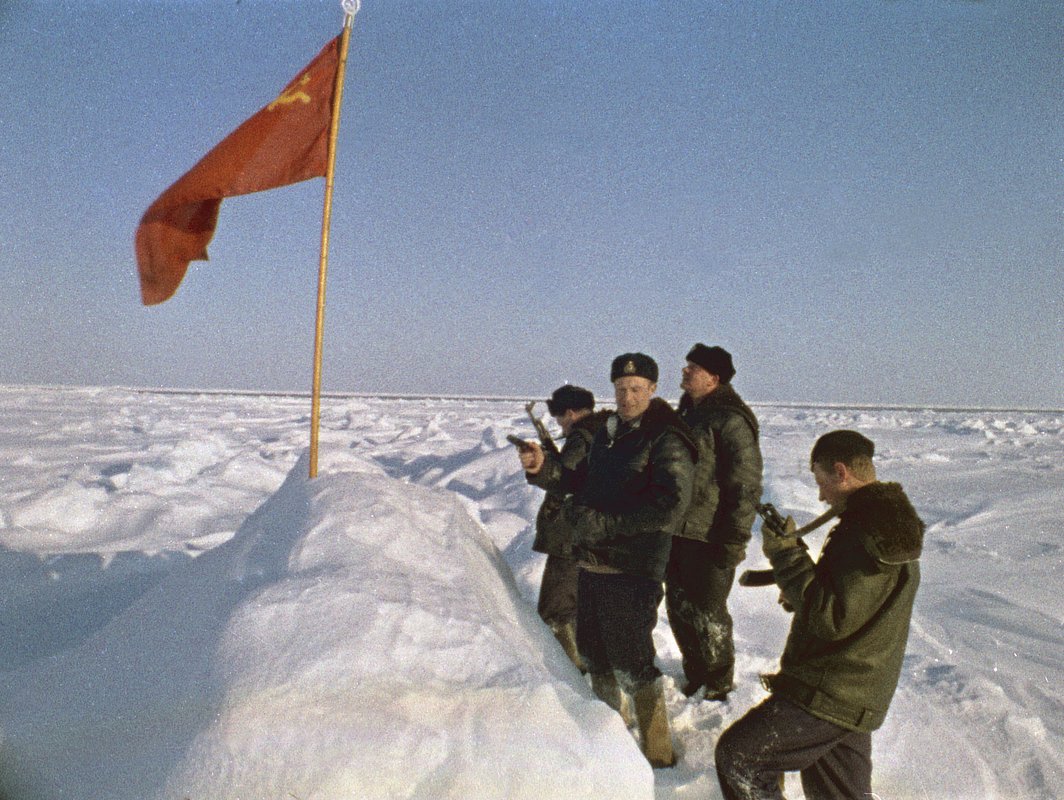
x,y
892,532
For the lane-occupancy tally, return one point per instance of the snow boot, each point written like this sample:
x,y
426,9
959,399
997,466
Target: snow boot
x,y
565,633
609,691
653,722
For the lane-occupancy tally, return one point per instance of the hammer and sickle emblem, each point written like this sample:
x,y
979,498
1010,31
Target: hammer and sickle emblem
x,y
293,95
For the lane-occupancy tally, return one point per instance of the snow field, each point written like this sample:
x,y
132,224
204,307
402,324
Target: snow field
x,y
185,616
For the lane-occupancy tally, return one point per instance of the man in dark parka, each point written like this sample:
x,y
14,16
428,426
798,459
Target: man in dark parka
x,y
628,498
573,409
712,541
844,652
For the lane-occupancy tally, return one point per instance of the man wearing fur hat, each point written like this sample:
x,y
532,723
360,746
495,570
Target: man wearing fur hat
x,y
628,498
573,408
713,539
844,652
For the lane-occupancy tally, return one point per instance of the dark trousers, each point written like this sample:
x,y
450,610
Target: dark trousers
x,y
696,592
615,620
776,737
557,591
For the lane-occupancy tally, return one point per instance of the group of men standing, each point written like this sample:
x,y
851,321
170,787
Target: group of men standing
x,y
648,502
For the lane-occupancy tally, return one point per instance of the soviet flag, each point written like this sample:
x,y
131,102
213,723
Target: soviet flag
x,y
285,142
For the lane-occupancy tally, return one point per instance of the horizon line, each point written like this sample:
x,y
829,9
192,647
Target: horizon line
x,y
522,398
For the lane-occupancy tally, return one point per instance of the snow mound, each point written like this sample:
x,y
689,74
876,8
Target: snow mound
x,y
358,637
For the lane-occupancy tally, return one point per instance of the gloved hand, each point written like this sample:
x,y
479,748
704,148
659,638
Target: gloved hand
x,y
772,542
583,522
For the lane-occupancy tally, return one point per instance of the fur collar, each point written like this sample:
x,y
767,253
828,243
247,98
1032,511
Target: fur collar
x,y
660,416
888,524
592,422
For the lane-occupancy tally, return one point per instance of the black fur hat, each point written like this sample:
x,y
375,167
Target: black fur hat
x,y
714,360
638,365
569,397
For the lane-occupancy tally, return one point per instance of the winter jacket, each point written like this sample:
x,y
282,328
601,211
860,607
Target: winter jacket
x,y
727,484
631,493
553,535
851,610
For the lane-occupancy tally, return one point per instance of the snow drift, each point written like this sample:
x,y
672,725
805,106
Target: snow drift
x,y
358,637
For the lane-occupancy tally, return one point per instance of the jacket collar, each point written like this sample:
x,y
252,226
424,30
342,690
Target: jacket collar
x,y
888,524
723,397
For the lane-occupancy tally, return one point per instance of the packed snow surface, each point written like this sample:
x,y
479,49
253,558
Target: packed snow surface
x,y
186,615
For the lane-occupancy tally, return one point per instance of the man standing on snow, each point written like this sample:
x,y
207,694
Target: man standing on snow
x,y
628,498
843,655
573,408
712,542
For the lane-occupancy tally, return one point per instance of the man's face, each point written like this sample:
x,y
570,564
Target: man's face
x,y
633,395
830,484
697,382
565,421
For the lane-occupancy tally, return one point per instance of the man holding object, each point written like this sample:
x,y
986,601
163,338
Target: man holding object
x,y
627,499
573,408
844,652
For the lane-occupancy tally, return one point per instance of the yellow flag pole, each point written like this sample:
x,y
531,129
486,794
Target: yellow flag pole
x,y
323,263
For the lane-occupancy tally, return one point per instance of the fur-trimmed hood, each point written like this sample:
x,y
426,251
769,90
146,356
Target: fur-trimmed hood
x,y
890,529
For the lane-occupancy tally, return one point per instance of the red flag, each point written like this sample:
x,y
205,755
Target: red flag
x,y
285,142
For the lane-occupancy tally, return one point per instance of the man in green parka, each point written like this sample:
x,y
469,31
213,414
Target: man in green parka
x,y
712,541
844,652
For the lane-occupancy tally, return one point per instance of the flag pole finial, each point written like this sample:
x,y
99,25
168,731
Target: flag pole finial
x,y
351,7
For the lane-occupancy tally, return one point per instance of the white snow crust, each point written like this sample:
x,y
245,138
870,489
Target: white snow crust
x,y
186,615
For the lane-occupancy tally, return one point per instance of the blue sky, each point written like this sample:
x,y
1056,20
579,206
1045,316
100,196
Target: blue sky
x,y
862,201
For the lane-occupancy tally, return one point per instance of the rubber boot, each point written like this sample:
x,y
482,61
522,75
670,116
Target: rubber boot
x,y
565,633
653,723
609,691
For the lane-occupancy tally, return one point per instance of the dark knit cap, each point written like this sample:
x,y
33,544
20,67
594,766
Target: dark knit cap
x,y
569,397
714,360
841,446
637,365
